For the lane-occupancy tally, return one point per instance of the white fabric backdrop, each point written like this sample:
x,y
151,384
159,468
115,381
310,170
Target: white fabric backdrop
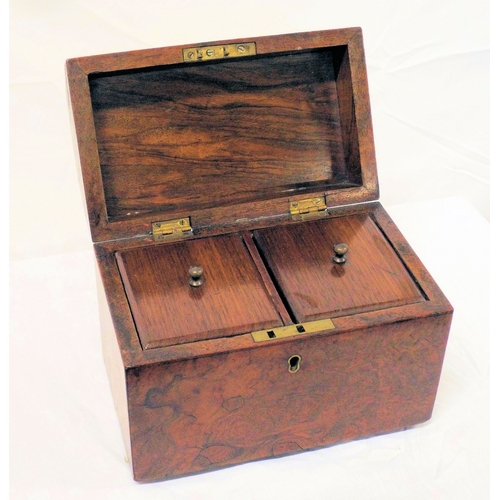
x,y
65,437
428,72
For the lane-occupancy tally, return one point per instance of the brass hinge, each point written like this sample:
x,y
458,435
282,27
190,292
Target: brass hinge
x,y
307,206
163,229
195,54
293,330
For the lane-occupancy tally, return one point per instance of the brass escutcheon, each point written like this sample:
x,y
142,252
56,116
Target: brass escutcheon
x,y
294,363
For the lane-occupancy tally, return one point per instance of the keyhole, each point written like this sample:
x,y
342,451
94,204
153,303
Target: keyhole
x,y
294,363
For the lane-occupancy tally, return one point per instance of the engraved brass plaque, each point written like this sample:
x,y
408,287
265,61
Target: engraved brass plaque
x,y
195,54
292,330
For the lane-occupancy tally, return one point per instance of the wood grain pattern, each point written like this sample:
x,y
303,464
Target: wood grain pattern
x,y
347,112
300,258
330,101
266,279
215,411
230,144
147,58
167,310
133,355
247,129
376,372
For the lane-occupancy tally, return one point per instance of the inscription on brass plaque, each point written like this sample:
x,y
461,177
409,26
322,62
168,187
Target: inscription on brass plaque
x,y
195,54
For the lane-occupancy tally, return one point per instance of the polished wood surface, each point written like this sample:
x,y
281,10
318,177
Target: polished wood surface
x,y
247,129
157,137
220,410
230,144
133,354
266,279
300,258
217,402
167,310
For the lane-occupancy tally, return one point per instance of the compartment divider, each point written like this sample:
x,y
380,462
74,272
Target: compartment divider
x,y
278,299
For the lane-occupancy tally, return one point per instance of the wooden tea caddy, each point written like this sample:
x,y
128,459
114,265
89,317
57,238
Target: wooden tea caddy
x,y
220,179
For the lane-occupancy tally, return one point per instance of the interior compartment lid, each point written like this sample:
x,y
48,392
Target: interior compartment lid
x,y
222,131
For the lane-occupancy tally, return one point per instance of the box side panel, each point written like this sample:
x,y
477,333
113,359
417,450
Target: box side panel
x,y
221,410
114,364
83,121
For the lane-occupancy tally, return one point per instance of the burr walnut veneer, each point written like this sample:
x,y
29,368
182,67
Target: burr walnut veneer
x,y
224,184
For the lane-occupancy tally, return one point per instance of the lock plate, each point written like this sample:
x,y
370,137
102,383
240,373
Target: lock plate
x,y
293,330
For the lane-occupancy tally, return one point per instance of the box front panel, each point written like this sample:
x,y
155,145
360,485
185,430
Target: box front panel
x,y
283,397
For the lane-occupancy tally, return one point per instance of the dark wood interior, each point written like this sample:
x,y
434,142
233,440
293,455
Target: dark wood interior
x,y
193,136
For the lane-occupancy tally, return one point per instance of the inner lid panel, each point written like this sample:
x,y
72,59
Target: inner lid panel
x,y
193,136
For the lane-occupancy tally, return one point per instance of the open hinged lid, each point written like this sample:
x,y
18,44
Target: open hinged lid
x,y
221,132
